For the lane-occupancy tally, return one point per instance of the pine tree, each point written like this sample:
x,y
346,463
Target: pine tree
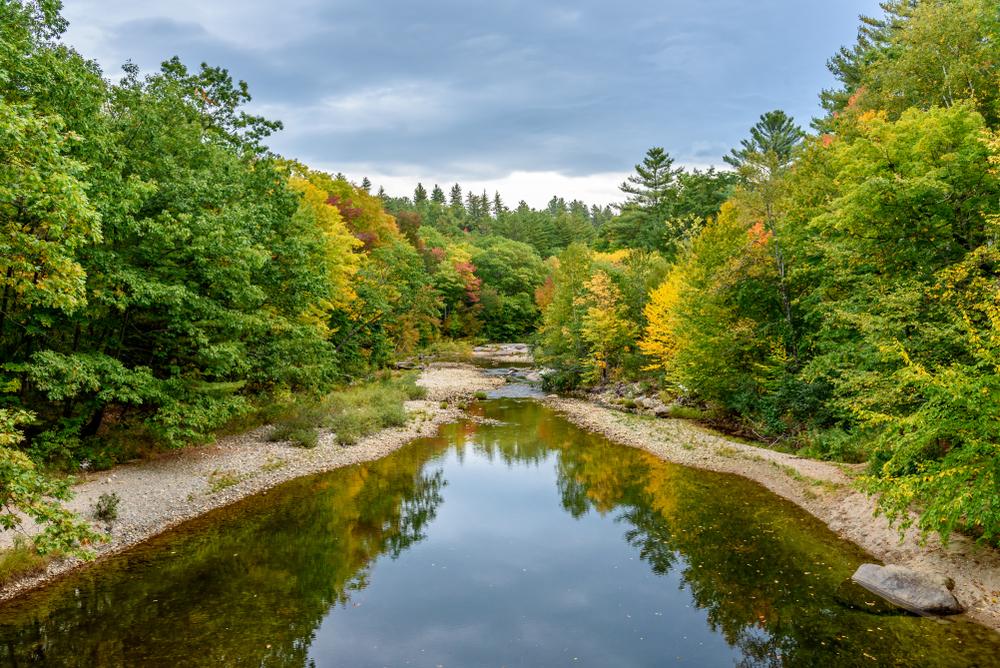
x,y
437,195
366,185
455,198
419,194
771,144
472,206
652,196
498,205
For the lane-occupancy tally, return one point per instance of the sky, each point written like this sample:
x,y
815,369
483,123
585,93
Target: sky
x,y
533,99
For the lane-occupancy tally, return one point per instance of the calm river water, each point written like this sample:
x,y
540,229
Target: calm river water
x,y
523,541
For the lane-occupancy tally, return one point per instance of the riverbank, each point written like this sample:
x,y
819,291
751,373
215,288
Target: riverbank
x,y
824,489
161,493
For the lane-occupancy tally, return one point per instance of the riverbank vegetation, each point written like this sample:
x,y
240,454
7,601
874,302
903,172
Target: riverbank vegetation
x,y
844,296
164,275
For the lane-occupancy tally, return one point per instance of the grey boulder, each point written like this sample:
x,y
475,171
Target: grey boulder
x,y
922,593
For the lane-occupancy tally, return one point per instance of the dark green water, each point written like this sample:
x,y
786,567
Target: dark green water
x,y
529,543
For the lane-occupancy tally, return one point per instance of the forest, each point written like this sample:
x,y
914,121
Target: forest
x,y
833,291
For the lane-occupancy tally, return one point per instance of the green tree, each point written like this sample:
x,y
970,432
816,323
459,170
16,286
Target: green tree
x,y
419,194
651,200
769,148
437,195
455,197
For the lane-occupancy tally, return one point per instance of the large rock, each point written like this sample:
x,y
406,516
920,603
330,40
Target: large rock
x,y
922,593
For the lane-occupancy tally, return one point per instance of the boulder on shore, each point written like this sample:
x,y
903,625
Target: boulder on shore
x,y
922,593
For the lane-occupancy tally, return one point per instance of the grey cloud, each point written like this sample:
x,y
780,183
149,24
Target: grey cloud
x,y
577,88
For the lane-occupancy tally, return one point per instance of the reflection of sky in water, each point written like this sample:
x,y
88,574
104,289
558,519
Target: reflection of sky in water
x,y
507,577
516,391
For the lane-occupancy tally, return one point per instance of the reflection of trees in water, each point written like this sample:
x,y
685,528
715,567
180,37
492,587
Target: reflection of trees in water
x,y
247,585
764,572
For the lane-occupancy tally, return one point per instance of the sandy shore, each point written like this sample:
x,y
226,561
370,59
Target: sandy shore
x,y
161,493
822,488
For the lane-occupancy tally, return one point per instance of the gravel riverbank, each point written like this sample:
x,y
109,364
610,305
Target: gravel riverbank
x,y
161,493
824,489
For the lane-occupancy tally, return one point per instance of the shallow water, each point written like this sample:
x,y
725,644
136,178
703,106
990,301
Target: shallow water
x,y
522,541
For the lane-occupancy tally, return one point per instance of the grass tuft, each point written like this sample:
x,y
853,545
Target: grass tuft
x,y
21,561
351,413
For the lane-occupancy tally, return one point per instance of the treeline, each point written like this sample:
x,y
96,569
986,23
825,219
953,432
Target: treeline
x,y
846,298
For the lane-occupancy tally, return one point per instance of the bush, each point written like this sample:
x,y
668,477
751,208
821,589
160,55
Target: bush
x,y
562,380
685,412
351,413
836,445
106,507
349,427
415,392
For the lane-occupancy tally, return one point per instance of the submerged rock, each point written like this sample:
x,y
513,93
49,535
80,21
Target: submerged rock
x,y
923,593
855,597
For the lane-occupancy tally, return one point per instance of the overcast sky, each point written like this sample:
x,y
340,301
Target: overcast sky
x,y
532,98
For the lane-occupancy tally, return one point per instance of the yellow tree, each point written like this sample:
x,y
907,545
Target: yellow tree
x,y
339,260
608,333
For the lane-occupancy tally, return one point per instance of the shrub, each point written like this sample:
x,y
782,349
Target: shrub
x,y
106,507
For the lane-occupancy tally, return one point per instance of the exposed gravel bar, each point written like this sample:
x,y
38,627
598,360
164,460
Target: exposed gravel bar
x,y
161,493
823,489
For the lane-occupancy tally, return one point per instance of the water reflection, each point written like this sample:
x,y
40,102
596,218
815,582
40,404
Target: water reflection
x,y
520,541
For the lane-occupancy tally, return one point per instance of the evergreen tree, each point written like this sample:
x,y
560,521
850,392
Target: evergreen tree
x,y
652,197
366,185
419,194
437,195
875,34
455,197
772,142
498,205
472,205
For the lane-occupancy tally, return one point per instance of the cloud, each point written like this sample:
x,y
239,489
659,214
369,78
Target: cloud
x,y
482,92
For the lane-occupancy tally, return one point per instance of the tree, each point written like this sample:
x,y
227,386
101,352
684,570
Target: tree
x,y
561,343
849,65
46,217
770,147
607,332
651,200
437,195
761,162
711,324
366,185
419,194
920,54
455,197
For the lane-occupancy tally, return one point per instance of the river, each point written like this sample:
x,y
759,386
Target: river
x,y
511,539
